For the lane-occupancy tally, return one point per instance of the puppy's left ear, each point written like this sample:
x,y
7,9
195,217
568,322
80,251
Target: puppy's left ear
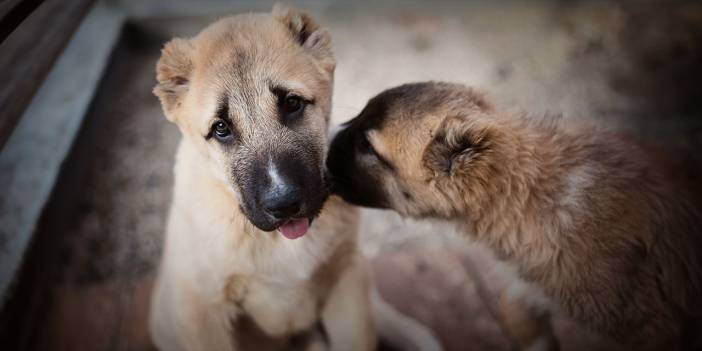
x,y
456,145
305,30
173,72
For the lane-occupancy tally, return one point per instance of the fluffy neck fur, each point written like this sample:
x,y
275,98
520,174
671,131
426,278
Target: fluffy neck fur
x,y
529,167
594,221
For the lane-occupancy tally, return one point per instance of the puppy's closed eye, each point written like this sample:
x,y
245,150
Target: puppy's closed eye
x,y
365,147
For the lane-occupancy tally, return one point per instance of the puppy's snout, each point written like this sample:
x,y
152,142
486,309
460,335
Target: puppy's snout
x,y
286,186
282,202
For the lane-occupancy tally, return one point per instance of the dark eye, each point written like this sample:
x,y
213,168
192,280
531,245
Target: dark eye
x,y
364,146
221,130
292,107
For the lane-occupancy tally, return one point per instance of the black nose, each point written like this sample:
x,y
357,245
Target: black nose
x,y
283,202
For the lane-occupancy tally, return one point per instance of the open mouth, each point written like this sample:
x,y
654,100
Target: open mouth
x,y
295,227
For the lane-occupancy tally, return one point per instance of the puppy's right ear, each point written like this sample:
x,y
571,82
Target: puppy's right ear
x,y
173,72
456,146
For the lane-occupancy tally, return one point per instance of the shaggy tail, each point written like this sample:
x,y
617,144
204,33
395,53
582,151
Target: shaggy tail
x,y
399,331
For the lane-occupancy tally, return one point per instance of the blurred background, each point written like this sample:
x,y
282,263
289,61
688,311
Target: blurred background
x,y
86,154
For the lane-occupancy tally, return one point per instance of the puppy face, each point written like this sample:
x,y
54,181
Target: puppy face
x,y
408,147
252,93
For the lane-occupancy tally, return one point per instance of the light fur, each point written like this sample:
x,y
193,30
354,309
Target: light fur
x,y
223,283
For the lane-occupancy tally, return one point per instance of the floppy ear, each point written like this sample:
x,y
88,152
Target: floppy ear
x,y
173,74
305,30
456,144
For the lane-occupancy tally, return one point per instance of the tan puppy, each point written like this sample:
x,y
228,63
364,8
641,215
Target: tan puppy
x,y
251,95
592,222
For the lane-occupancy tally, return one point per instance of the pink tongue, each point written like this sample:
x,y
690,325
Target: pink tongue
x,y
295,228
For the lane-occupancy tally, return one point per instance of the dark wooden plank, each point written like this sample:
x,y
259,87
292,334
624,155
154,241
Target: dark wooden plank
x,y
61,300
26,56
13,12
6,7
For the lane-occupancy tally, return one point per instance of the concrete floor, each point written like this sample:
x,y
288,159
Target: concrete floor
x,y
582,61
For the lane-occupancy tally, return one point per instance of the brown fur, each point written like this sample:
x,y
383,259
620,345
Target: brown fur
x,y
590,219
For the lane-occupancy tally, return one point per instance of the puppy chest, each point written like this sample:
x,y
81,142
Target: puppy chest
x,y
277,309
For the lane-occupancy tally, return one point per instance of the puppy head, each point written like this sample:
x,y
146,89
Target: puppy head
x,y
413,147
252,93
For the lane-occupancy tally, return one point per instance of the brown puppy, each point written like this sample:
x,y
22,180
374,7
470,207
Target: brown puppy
x,y
251,95
593,222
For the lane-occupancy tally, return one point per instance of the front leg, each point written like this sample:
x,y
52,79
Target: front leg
x,y
347,313
181,320
529,324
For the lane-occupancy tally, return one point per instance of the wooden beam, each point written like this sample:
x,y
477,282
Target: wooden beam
x,y
13,12
35,152
28,53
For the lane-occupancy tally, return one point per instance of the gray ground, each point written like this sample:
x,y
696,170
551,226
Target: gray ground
x,y
629,68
